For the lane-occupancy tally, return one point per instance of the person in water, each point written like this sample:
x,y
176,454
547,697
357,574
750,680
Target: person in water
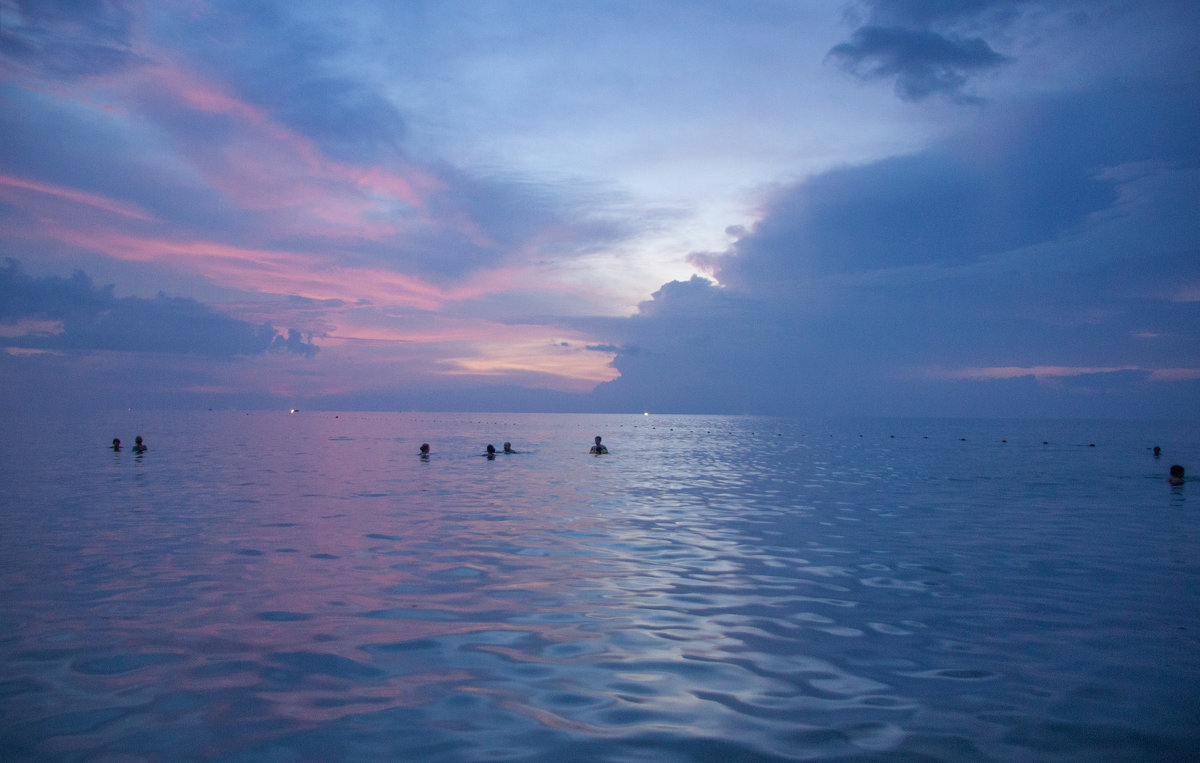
x,y
598,448
508,448
424,450
138,445
491,451
1176,477
116,443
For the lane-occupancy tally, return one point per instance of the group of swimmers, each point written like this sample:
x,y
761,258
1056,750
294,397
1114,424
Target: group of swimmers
x,y
138,445
1176,472
490,451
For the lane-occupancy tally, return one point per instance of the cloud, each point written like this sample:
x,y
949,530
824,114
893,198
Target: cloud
x,y
78,197
1027,252
694,347
312,166
64,39
293,65
949,204
54,313
922,63
928,47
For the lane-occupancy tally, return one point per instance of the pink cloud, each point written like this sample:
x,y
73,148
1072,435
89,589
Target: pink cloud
x,y
296,192
271,271
481,348
73,195
1188,293
264,165
30,328
1042,373
1013,372
1175,374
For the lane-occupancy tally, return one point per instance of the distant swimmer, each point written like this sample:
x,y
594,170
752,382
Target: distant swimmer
x,y
491,451
424,450
598,448
138,445
116,443
1157,451
508,448
1176,477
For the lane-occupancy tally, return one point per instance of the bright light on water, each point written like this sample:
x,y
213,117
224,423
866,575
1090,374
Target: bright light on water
x,y
267,586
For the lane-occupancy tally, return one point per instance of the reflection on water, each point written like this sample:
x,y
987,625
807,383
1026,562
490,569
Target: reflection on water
x,y
308,587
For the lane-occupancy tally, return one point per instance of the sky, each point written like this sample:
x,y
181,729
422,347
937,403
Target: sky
x,y
905,208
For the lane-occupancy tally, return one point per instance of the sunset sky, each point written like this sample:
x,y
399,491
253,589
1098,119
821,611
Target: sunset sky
x,y
912,207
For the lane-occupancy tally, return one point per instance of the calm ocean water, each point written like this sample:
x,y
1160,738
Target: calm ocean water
x,y
266,586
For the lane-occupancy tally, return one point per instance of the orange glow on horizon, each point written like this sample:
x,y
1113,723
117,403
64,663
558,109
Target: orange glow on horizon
x,y
500,358
487,349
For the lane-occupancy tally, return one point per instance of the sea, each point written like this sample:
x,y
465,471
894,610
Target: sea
x,y
303,586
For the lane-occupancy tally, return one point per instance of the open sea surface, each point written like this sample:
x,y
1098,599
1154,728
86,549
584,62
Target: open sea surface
x,y
297,587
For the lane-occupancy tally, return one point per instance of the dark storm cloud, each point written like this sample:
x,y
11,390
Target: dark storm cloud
x,y
942,206
91,318
1054,235
923,63
1036,171
697,348
928,47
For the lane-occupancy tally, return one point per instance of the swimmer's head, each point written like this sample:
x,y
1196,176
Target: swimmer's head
x,y
424,448
1177,471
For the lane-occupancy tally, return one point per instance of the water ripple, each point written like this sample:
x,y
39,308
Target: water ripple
x,y
715,587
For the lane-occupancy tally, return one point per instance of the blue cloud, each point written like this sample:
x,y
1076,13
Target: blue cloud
x,y
92,318
65,39
1066,243
922,63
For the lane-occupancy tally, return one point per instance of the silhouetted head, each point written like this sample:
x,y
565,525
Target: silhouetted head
x,y
116,443
137,440
491,449
508,447
1157,451
1177,471
424,449
597,439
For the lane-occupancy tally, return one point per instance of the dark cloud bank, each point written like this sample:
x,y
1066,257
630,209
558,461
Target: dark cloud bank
x,y
92,318
1055,233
